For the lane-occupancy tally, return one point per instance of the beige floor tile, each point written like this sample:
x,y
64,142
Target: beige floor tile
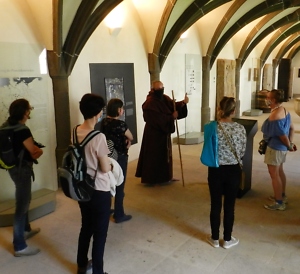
x,y
170,223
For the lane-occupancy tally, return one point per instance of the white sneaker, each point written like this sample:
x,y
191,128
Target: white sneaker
x,y
231,243
212,242
28,251
275,206
284,199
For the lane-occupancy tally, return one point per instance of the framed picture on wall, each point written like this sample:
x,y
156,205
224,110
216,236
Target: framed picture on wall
x,y
114,88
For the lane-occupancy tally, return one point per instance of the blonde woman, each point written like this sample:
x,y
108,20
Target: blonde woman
x,y
224,180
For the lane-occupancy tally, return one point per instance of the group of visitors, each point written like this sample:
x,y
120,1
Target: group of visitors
x,y
95,214
154,164
224,180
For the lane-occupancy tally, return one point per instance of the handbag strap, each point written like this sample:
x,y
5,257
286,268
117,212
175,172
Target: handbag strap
x,y
230,144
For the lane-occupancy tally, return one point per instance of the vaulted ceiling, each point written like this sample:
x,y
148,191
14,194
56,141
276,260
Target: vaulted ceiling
x,y
275,23
275,20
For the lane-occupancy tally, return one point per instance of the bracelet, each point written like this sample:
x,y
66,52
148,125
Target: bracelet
x,y
291,147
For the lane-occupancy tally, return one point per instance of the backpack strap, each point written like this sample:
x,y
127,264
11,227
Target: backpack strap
x,y
74,135
16,127
87,138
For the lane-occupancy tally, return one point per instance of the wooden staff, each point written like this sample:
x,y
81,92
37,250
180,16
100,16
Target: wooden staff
x,y
174,105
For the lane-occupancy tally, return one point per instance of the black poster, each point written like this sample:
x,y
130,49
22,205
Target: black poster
x,y
116,80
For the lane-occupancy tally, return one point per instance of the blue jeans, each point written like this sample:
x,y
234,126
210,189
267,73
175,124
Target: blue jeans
x,y
119,208
22,179
95,216
223,180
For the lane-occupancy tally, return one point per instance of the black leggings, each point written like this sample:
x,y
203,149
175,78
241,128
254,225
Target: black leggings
x,y
223,180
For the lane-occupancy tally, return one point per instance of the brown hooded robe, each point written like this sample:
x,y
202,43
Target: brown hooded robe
x,y
155,164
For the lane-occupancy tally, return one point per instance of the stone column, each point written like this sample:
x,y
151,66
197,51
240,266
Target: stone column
x,y
154,67
61,104
62,115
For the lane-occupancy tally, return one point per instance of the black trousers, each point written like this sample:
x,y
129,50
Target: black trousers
x,y
120,194
95,216
223,181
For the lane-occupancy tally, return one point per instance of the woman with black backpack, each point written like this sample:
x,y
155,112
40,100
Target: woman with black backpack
x,y
96,212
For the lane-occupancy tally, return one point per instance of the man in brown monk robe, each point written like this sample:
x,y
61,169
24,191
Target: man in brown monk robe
x,y
155,164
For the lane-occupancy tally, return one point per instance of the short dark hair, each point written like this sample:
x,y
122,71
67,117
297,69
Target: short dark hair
x,y
227,106
112,107
278,95
90,105
17,110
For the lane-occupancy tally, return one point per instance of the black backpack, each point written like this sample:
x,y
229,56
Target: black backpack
x,y
75,182
8,159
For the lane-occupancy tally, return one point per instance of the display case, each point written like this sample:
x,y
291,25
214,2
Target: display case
x,y
251,127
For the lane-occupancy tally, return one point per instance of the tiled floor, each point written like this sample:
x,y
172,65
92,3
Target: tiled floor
x,y
170,223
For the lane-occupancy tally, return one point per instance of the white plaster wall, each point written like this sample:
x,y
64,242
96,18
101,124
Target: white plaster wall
x,y
208,24
127,47
230,51
173,76
42,18
150,13
20,47
246,85
130,46
24,24
17,25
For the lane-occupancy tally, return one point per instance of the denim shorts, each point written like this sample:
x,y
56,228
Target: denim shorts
x,y
274,157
